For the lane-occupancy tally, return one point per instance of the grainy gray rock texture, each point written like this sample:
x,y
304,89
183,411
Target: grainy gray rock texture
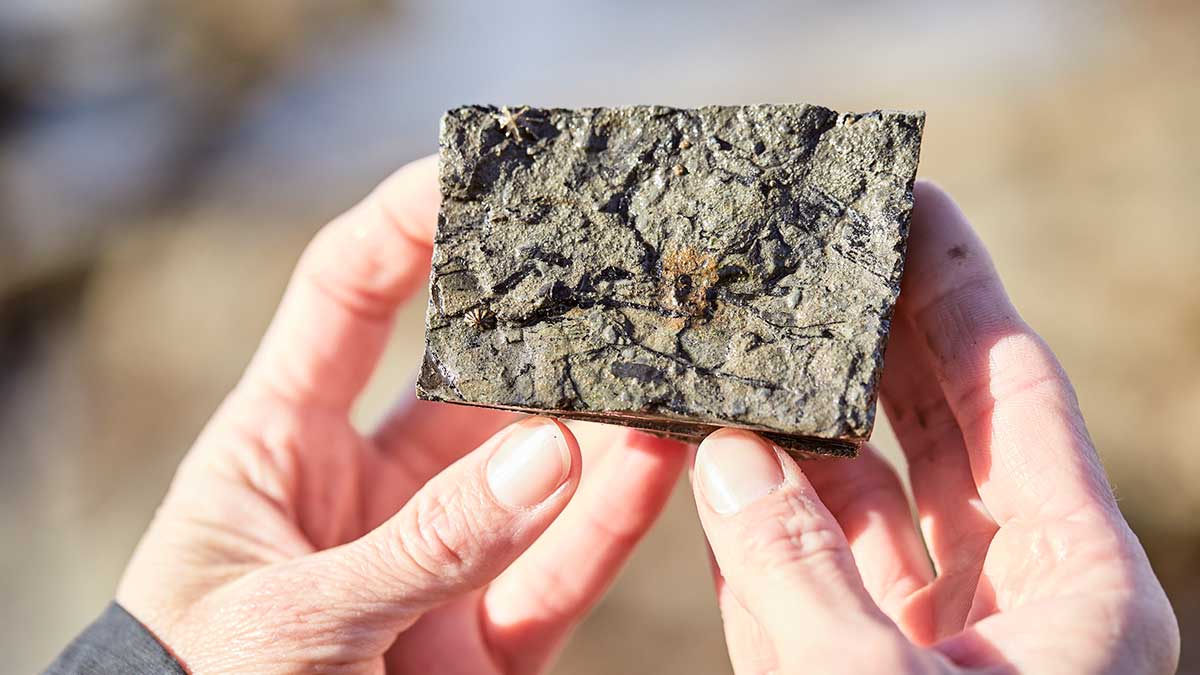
x,y
673,270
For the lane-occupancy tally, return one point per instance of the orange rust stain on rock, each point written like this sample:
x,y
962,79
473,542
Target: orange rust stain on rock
x,y
687,276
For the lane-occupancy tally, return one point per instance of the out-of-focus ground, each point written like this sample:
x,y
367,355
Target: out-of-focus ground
x,y
162,165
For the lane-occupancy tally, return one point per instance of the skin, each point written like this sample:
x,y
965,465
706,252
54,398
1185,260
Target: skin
x,y
290,541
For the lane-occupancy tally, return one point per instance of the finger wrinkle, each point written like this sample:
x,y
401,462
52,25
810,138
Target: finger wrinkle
x,y
956,323
361,303
798,537
976,403
1020,375
402,225
271,472
433,540
356,273
1021,361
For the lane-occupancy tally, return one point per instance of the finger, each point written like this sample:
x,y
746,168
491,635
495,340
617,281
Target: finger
x,y
866,498
596,440
750,648
529,611
948,504
336,314
956,526
428,436
439,432
457,533
779,549
433,427
1029,451
751,651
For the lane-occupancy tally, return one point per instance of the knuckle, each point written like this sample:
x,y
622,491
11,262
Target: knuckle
x,y
800,536
342,287
339,266
397,215
433,538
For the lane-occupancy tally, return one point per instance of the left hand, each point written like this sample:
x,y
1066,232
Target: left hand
x,y
289,541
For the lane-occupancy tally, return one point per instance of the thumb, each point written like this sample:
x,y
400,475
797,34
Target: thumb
x,y
779,550
457,533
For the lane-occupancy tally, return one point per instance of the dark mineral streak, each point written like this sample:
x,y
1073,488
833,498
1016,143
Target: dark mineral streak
x,y
672,270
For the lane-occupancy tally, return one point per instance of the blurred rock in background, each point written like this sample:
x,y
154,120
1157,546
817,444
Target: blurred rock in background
x,y
163,163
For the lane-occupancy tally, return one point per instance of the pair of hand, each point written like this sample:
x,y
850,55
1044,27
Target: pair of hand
x,y
447,542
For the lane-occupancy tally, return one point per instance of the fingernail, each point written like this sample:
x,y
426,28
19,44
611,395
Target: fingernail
x,y
531,464
736,468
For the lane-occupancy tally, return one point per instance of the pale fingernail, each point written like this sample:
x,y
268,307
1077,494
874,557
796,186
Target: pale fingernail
x,y
533,461
736,468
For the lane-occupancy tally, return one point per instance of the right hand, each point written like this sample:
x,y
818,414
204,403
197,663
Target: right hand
x,y
820,569
290,541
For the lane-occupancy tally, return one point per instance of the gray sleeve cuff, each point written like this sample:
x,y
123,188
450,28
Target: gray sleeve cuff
x,y
116,642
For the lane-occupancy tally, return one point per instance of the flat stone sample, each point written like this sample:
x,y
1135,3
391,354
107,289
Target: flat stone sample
x,y
672,270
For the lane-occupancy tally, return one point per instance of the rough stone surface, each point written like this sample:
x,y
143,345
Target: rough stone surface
x,y
674,270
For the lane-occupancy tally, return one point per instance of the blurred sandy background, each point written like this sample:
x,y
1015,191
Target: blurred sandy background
x,y
163,163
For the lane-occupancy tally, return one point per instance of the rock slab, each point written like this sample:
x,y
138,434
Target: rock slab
x,y
672,270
